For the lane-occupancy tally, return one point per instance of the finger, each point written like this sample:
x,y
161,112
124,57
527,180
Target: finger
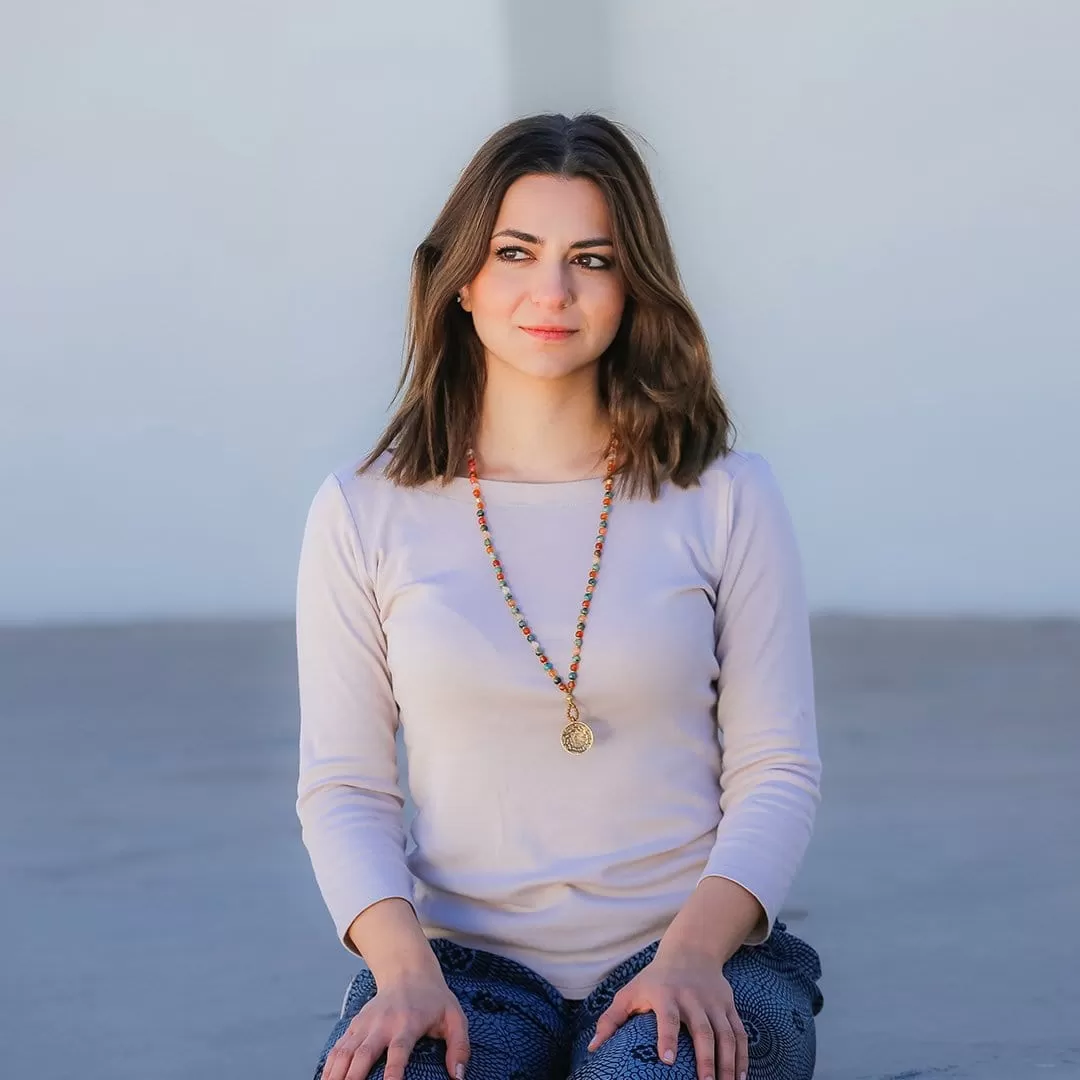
x,y
668,1022
456,1033
338,1060
701,1031
397,1057
726,1047
742,1045
363,1058
351,1053
611,1019
354,1037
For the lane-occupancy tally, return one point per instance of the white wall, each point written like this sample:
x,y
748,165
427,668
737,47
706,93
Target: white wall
x,y
877,208
206,220
207,212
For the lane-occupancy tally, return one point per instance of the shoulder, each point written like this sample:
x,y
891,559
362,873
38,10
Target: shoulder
x,y
349,495
364,487
747,505
737,477
741,465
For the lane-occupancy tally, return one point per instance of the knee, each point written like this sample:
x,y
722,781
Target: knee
x,y
631,1054
781,1046
780,1038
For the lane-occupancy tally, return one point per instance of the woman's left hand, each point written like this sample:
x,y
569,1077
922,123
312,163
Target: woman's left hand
x,y
682,988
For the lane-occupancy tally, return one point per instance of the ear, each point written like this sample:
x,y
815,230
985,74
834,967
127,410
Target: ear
x,y
466,299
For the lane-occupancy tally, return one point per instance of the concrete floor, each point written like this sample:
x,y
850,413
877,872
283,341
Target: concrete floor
x,y
161,920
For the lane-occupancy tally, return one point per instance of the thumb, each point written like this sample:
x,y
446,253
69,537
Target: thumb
x,y
457,1043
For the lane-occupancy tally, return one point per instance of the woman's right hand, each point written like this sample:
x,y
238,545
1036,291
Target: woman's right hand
x,y
398,1015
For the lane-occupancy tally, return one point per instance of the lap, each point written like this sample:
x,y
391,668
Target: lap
x,y
520,1027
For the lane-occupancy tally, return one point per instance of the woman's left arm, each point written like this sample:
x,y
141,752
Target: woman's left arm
x,y
770,772
769,781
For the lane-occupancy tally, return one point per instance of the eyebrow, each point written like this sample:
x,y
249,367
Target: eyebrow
x,y
528,238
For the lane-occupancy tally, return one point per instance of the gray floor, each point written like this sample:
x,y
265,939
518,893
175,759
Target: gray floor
x,y
160,918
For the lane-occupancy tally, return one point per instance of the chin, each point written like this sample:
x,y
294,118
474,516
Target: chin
x,y
549,368
543,363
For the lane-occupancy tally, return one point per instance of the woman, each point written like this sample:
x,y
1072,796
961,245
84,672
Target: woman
x,y
586,612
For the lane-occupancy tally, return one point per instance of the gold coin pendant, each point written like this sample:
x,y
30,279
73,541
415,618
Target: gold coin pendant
x,y
577,737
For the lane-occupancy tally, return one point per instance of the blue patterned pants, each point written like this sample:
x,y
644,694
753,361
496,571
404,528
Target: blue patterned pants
x,y
521,1028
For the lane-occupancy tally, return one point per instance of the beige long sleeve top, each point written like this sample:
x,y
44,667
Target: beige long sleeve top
x,y
695,676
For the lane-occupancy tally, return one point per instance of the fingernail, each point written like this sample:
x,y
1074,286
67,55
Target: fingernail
x,y
742,1076
669,1056
459,1072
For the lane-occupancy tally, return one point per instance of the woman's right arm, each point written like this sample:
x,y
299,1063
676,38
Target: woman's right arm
x,y
389,938
349,800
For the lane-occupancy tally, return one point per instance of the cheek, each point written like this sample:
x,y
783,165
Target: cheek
x,y
494,294
606,303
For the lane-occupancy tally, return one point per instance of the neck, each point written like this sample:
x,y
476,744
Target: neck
x,y
540,430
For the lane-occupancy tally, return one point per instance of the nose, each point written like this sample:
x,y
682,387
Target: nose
x,y
551,287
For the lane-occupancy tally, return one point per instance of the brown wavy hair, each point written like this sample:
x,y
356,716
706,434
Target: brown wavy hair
x,y
655,379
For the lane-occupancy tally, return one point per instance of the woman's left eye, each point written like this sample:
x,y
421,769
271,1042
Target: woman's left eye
x,y
594,262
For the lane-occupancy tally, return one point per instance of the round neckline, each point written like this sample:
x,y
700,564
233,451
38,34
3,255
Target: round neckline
x,y
525,492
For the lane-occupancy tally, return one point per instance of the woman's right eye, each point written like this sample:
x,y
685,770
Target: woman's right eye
x,y
506,254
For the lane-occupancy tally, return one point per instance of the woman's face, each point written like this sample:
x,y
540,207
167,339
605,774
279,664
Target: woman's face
x,y
549,298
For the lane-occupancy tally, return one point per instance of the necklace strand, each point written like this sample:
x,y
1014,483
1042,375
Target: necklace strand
x,y
577,736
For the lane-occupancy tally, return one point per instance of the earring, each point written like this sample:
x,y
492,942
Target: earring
x,y
459,298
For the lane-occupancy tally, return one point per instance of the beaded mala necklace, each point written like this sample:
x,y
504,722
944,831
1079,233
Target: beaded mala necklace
x,y
577,736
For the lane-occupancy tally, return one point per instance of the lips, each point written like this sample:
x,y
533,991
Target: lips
x,y
549,333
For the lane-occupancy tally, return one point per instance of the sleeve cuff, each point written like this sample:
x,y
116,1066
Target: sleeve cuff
x,y
763,928
346,921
